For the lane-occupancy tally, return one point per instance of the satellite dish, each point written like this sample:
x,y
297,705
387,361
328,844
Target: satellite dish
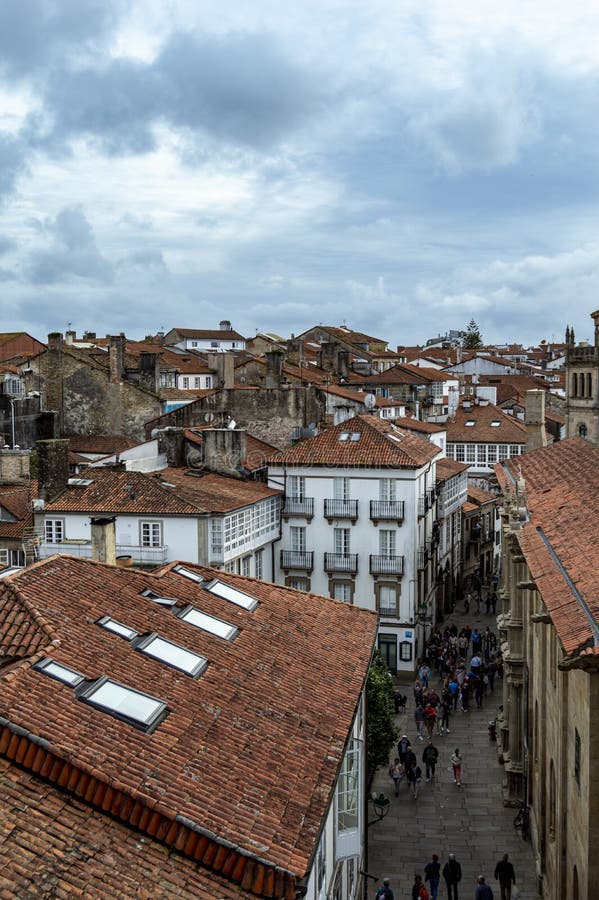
x,y
232,424
370,401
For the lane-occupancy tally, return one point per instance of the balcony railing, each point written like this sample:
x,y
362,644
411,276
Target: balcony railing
x,y
297,559
387,509
421,506
296,506
386,565
421,558
341,562
140,556
341,509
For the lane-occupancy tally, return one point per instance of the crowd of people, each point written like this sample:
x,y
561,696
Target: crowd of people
x,y
452,876
467,663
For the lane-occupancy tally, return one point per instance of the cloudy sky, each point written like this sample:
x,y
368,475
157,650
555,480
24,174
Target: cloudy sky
x,y
398,165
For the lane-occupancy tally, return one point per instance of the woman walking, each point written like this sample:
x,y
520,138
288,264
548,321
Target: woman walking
x,y
456,764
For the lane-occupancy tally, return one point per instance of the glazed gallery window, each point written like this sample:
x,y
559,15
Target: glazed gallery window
x,y
54,531
348,789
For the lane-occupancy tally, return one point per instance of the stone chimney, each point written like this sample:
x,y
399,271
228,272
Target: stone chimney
x,y
171,442
89,336
55,342
116,353
104,540
534,418
225,449
223,366
52,467
225,325
327,356
149,371
274,368
342,363
294,349
70,338
14,466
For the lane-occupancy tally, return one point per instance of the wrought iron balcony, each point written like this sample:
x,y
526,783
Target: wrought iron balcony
x,y
387,509
341,562
299,506
341,509
386,565
297,559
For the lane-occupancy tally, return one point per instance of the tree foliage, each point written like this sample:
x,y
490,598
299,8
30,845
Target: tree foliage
x,y
382,732
473,337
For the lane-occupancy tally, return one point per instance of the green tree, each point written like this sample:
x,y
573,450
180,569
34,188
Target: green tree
x,y
382,732
472,339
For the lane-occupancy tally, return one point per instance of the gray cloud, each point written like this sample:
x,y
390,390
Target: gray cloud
x,y
71,251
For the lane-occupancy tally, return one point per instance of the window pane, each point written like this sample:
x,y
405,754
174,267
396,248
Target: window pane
x,y
117,698
209,623
233,595
118,628
174,655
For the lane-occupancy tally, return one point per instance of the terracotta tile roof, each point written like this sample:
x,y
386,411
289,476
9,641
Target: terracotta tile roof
x,y
510,430
512,386
561,492
214,334
284,689
380,444
404,373
16,500
53,844
215,493
448,468
480,496
106,444
116,490
412,424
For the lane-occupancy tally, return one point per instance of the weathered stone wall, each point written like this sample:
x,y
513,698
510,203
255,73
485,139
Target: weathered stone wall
x,y
85,399
270,415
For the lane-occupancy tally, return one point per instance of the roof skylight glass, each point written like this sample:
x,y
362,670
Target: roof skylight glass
x,y
187,573
470,423
233,595
124,702
343,436
208,623
117,627
355,436
158,598
79,482
173,655
60,672
495,423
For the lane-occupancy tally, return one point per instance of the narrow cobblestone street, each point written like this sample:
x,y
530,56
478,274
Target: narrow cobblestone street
x,y
470,821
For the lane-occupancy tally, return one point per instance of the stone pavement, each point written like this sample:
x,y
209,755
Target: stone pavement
x,y
470,821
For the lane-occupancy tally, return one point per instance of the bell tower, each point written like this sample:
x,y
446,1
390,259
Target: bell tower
x,y
582,387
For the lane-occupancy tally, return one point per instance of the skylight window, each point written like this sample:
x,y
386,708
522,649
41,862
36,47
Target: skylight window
x,y
495,423
125,703
187,573
343,436
173,655
117,627
233,595
79,482
470,423
158,598
355,436
60,672
208,623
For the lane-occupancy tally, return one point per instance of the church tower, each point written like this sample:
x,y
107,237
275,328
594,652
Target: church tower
x,y
582,387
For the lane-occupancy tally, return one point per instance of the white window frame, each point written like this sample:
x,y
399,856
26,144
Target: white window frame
x,y
54,531
388,542
150,533
297,538
342,541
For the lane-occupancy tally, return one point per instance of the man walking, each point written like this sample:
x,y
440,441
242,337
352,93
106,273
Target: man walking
x,y
432,874
504,872
452,873
385,892
429,758
483,891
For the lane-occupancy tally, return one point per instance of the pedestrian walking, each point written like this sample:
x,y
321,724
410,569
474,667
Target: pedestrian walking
x,y
491,673
483,891
493,602
456,764
452,875
419,891
432,874
504,872
402,748
414,777
385,892
419,719
424,675
429,758
430,716
396,774
443,717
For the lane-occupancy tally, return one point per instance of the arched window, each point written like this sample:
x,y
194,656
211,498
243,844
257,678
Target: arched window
x,y
583,431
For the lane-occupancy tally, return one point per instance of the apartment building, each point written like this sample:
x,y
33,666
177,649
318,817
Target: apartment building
x,y
358,524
